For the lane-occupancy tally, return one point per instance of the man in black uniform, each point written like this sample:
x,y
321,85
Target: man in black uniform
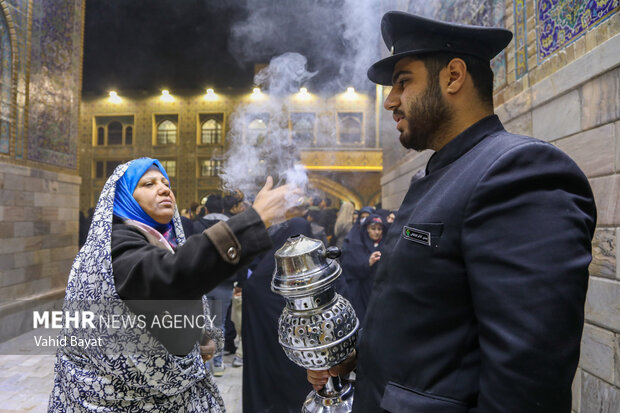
x,y
479,300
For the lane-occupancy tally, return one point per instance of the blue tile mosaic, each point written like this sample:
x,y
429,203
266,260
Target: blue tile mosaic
x,y
479,12
19,11
56,54
520,38
6,85
559,22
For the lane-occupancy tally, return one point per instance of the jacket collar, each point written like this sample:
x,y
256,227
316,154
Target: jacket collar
x,y
463,142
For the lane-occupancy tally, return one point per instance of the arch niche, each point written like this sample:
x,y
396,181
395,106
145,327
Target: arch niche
x,y
335,189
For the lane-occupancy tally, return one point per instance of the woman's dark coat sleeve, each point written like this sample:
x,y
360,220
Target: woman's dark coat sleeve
x,y
145,272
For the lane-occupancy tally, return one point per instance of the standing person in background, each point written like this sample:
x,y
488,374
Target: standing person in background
x,y
344,222
479,298
233,204
313,216
271,382
220,297
328,219
358,263
353,237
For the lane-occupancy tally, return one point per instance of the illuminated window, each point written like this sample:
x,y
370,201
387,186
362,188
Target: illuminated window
x,y
302,125
350,127
211,128
110,166
99,169
166,133
128,135
114,130
210,167
115,133
103,169
170,167
257,127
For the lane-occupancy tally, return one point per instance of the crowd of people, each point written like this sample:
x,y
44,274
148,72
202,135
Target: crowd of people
x,y
145,227
480,309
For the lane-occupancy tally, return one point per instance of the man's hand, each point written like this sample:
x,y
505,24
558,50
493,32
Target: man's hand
x,y
318,378
374,257
270,203
207,351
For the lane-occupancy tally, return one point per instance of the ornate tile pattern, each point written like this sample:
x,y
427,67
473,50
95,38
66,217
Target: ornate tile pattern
x,y
559,22
6,90
17,14
478,12
520,39
55,82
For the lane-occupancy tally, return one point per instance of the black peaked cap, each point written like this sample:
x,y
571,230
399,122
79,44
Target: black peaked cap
x,y
408,34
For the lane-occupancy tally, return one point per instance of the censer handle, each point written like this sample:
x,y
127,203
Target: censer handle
x,y
333,385
332,252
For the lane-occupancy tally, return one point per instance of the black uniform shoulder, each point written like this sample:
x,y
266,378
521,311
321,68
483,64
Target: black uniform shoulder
x,y
504,146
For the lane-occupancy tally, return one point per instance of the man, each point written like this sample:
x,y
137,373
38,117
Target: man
x,y
220,297
479,299
232,204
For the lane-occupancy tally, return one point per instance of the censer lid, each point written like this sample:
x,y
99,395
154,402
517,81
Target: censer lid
x,y
304,266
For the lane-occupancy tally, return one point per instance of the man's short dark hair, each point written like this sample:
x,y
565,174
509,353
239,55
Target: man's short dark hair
x,y
214,203
229,201
480,72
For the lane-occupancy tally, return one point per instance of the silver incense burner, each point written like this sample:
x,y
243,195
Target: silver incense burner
x,y
318,327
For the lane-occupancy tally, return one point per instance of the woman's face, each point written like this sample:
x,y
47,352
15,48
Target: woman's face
x,y
154,195
375,231
390,218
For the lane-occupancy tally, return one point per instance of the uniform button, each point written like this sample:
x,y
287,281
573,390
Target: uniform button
x,y
232,253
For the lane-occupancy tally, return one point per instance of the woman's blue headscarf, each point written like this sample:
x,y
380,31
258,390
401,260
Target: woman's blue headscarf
x,y
125,205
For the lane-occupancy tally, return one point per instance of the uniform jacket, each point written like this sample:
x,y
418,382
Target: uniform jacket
x,y
479,298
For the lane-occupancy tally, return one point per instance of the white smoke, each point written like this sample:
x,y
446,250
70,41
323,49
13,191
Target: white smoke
x,y
341,38
266,149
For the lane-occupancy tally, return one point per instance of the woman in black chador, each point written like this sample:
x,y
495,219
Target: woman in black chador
x,y
271,382
359,261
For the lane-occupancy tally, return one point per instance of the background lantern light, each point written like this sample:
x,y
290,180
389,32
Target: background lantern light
x,y
114,98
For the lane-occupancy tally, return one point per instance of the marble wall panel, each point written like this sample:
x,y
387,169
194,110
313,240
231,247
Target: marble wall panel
x,y
601,100
602,306
559,118
593,150
597,352
598,396
604,253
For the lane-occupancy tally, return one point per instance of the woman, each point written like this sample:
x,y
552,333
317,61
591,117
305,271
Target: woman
x,y
136,250
344,222
359,263
271,382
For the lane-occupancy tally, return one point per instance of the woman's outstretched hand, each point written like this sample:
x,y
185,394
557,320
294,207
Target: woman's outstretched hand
x,y
271,204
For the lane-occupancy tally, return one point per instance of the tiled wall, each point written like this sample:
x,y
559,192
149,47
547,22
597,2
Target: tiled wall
x,y
40,81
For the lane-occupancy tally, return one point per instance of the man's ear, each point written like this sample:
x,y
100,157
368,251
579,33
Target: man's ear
x,y
456,72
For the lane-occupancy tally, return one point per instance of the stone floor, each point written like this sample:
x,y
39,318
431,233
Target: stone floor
x,y
26,377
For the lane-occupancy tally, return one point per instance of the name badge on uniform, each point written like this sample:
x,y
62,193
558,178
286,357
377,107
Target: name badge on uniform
x,y
417,235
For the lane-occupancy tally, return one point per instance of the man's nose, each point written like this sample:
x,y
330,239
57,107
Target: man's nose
x,y
392,101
